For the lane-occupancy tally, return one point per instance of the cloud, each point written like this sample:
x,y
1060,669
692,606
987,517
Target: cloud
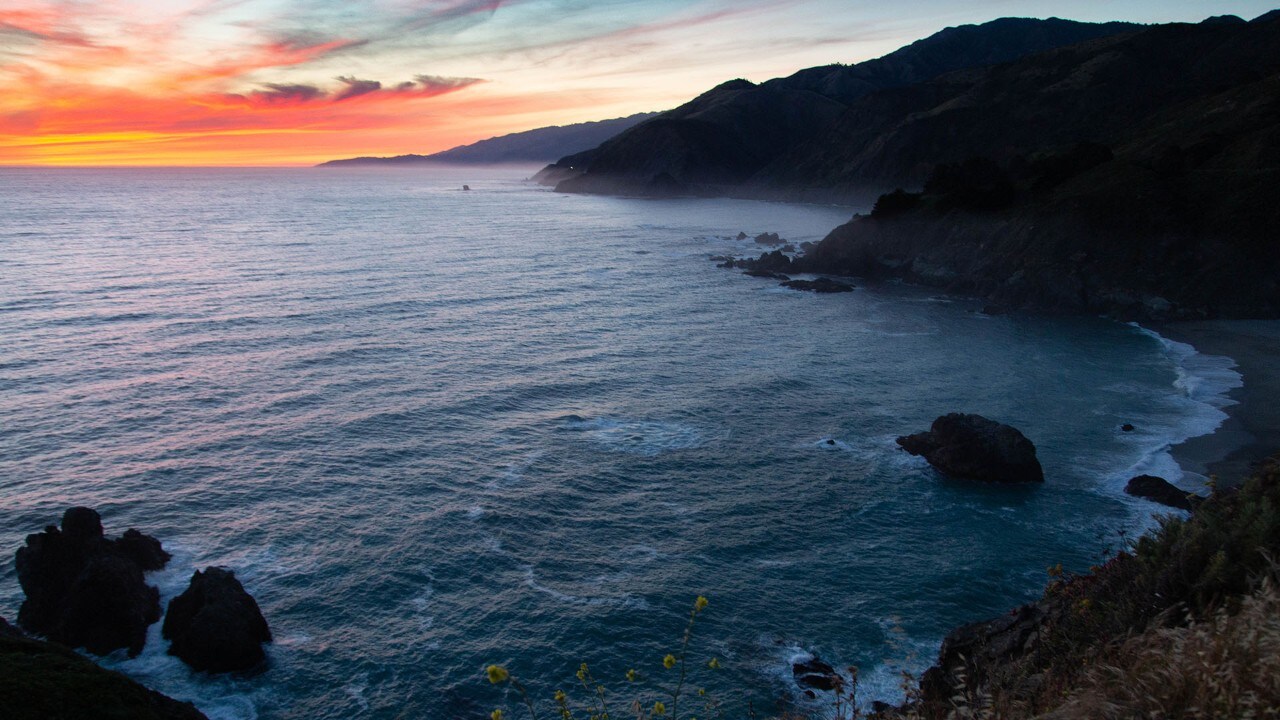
x,y
438,85
290,94
349,88
355,88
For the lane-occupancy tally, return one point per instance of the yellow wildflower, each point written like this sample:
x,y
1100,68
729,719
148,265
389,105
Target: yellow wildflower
x,y
497,674
659,708
560,696
714,664
631,676
669,661
700,604
495,715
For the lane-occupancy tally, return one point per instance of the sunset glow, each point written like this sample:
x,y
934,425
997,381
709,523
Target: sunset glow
x,y
279,82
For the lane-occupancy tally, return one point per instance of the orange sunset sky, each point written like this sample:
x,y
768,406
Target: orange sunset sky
x,y
295,82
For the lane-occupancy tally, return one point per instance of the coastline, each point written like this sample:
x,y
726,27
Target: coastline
x,y
1251,431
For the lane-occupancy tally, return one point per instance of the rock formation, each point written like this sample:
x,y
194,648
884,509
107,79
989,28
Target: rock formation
x,y
1159,490
85,590
975,448
821,285
216,626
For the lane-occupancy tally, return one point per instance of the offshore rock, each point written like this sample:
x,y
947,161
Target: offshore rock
x,y
821,285
85,590
814,673
774,262
215,626
975,448
1159,490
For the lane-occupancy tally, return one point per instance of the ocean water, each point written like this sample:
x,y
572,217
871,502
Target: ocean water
x,y
432,430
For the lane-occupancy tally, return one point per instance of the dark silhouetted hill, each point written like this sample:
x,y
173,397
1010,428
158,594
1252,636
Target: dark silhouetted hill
x,y
533,146
718,142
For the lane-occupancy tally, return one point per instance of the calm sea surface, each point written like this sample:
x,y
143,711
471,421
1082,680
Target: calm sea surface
x,y
432,429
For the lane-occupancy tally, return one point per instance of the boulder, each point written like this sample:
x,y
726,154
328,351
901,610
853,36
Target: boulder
x,y
215,626
769,238
813,673
85,590
821,285
975,448
1159,490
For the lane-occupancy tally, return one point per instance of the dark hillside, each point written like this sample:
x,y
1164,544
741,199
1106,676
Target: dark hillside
x,y
721,139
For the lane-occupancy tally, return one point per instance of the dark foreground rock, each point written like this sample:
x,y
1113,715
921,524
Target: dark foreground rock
x,y
216,626
40,681
1157,489
821,285
85,590
975,448
970,650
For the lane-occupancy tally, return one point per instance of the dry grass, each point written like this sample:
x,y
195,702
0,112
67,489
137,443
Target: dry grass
x,y
1225,667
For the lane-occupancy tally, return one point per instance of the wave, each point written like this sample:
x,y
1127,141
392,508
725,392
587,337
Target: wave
x,y
1202,384
625,601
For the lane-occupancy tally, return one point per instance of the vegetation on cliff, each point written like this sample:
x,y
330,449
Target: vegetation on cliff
x,y
43,681
1182,625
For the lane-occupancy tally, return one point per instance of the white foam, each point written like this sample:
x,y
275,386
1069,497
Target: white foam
x,y
637,437
220,697
627,601
1202,385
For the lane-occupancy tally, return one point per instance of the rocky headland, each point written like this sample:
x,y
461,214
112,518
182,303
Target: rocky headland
x,y
1101,169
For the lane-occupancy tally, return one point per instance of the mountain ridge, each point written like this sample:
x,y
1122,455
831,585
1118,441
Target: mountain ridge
x,y
716,142
529,146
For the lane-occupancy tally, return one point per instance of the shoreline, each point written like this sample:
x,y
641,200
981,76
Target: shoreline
x,y
1251,431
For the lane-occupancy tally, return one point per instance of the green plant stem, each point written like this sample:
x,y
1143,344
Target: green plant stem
x,y
524,695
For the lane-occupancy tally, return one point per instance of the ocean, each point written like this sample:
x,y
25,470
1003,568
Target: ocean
x,y
432,430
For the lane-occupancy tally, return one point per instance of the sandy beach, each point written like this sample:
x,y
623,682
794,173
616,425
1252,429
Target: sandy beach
x,y
1252,430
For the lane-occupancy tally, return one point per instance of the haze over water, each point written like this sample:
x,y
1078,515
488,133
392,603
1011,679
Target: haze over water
x,y
432,429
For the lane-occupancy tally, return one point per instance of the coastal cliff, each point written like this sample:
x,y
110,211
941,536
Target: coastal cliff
x,y
1162,209
41,680
1183,624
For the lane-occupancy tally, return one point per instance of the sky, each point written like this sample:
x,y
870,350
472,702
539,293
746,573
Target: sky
x,y
296,82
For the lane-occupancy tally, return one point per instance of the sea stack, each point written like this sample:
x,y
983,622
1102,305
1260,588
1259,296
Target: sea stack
x,y
971,447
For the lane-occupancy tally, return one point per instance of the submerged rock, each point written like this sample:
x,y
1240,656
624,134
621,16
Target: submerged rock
x,y
85,590
1159,490
975,448
216,626
821,285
